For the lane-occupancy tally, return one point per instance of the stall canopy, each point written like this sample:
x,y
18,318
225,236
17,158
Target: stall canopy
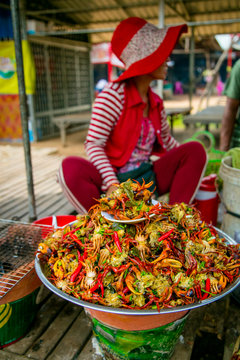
x,y
100,17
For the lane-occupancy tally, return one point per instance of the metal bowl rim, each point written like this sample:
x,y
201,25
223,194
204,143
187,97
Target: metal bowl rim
x,y
123,311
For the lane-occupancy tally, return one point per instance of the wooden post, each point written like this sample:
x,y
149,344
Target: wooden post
x,y
160,25
191,68
23,106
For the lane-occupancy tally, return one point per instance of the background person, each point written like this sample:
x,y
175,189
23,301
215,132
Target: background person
x,y
129,125
100,86
231,115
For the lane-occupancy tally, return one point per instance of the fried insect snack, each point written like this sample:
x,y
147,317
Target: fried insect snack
x,y
167,261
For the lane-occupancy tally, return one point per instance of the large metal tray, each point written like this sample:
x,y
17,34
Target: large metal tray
x,y
86,304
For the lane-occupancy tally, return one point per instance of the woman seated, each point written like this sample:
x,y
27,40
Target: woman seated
x,y
129,135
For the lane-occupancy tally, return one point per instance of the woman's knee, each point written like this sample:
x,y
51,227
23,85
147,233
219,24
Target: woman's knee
x,y
79,169
195,150
80,182
79,176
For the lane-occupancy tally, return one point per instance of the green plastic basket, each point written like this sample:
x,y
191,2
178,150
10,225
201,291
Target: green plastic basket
x,y
214,156
214,161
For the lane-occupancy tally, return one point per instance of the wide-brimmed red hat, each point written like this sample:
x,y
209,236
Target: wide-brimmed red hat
x,y
142,46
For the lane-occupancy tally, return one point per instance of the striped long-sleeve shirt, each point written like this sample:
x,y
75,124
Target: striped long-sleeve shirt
x,y
107,109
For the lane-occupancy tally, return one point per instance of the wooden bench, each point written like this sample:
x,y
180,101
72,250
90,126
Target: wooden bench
x,y
64,121
210,115
83,118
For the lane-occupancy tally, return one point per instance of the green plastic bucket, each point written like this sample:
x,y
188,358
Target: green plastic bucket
x,y
16,318
154,344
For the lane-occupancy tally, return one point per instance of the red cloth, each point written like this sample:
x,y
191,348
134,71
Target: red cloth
x,y
125,134
117,114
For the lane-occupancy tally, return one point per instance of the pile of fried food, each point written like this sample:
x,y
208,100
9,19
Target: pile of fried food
x,y
170,260
129,201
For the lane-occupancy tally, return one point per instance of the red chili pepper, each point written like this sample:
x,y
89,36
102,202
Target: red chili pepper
x,y
121,268
138,262
207,288
76,239
158,306
70,232
73,236
95,287
102,288
125,290
76,272
99,281
147,304
166,235
116,240
85,254
198,291
106,270
213,231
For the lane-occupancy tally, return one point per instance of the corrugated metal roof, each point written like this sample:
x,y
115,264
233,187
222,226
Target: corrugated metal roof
x,y
209,17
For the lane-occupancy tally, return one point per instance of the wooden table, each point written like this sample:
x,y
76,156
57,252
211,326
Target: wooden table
x,y
64,121
172,112
210,115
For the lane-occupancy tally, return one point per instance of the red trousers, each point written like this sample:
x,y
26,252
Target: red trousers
x,y
178,172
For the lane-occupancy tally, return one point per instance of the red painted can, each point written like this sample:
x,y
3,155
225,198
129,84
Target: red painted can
x,y
207,200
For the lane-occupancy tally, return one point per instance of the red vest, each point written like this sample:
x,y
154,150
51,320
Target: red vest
x,y
125,134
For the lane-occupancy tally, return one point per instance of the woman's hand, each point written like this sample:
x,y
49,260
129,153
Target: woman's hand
x,y
111,189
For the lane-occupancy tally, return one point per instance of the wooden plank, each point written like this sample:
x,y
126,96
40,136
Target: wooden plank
x,y
45,316
42,191
232,325
49,205
48,166
183,349
57,205
7,356
74,340
41,183
91,351
45,184
48,194
46,343
48,187
214,317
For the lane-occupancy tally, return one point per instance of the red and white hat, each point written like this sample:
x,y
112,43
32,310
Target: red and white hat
x,y
142,46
